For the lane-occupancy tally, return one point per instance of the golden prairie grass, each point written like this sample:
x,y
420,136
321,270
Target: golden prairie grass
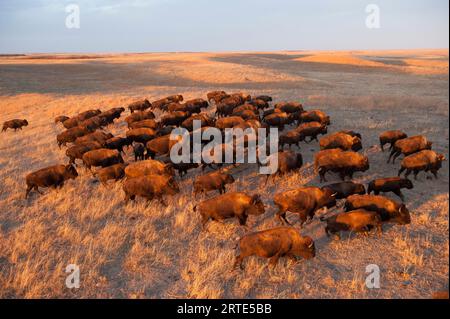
x,y
146,250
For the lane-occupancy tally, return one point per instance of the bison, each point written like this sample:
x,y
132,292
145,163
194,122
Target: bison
x,y
53,176
229,122
113,172
77,151
345,189
304,201
315,116
388,209
340,140
287,161
174,118
346,163
139,151
97,136
150,187
151,123
230,205
14,125
359,220
212,181
311,130
390,137
279,119
290,107
390,184
61,119
205,120
71,135
148,167
139,116
101,157
273,244
139,106
425,160
141,135
408,146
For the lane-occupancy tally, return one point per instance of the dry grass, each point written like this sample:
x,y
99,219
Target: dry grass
x,y
150,251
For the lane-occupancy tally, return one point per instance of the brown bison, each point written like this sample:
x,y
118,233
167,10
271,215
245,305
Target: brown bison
x,y
287,161
264,98
290,107
139,116
315,116
160,146
145,123
346,163
53,176
351,133
212,181
388,209
408,146
216,96
113,172
148,167
174,118
77,151
425,160
260,104
97,136
101,157
359,220
229,122
275,243
390,184
279,119
112,114
118,143
94,123
311,130
71,135
340,140
61,119
304,201
141,135
230,205
390,137
139,106
292,137
74,121
345,189
14,125
205,120
150,187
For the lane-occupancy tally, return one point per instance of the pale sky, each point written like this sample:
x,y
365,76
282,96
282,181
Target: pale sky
x,y
36,26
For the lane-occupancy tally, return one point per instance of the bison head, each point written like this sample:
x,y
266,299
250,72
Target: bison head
x,y
329,198
306,249
24,122
256,206
404,217
407,183
357,145
70,172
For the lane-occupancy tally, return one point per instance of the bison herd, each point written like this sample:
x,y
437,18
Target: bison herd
x,y
152,174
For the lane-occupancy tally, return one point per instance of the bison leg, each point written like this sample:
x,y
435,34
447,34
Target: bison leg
x,y
401,170
399,194
29,188
397,154
281,215
322,173
415,173
391,154
274,260
408,172
242,219
342,175
238,261
382,147
435,173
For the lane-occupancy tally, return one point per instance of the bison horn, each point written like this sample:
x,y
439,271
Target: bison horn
x,y
310,245
334,195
